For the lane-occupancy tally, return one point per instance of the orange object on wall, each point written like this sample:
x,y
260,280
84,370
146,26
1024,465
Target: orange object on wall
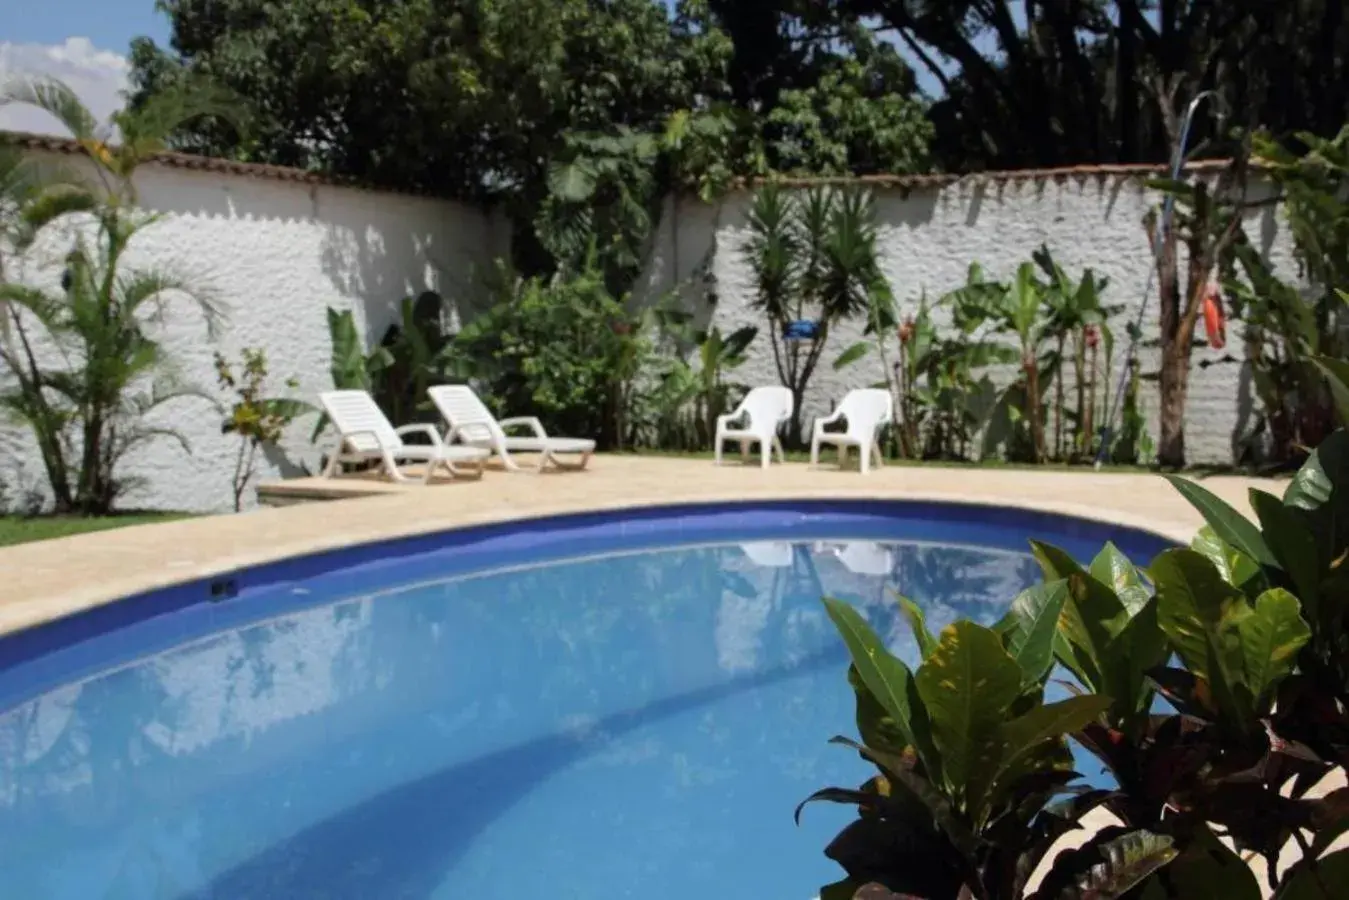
x,y
1215,320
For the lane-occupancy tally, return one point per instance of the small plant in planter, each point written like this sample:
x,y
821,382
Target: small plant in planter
x,y
257,420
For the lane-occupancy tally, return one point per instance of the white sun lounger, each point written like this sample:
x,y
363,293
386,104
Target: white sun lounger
x,y
865,410
472,423
766,408
364,434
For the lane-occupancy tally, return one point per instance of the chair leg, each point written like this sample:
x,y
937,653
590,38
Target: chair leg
x,y
777,445
716,449
765,454
334,462
864,452
395,473
814,453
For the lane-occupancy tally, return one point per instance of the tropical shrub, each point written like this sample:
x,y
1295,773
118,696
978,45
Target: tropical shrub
x,y
1286,325
559,348
1244,635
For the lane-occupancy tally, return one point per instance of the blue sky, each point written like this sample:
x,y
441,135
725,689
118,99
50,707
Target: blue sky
x,y
109,24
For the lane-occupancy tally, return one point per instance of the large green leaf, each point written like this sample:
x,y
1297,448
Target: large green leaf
x,y
918,625
902,776
1236,567
1291,542
1337,375
1207,868
1321,489
967,686
1199,612
1226,522
1113,568
1327,879
1091,618
852,355
1270,640
572,182
885,676
1022,738
1033,622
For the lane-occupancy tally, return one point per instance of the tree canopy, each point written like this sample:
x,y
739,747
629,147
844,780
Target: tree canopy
x,y
485,99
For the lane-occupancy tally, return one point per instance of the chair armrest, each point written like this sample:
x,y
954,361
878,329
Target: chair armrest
x,y
530,422
343,437
421,428
821,421
738,413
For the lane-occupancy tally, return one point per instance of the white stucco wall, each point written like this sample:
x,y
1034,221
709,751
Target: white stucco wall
x,y
278,253
928,236
275,254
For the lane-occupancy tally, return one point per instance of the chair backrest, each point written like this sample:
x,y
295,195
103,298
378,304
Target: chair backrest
x,y
867,409
768,407
358,418
461,407
866,558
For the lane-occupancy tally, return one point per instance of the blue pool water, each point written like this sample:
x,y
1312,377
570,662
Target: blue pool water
x,y
637,722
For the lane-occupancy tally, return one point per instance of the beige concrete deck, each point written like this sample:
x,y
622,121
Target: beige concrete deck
x,y
47,580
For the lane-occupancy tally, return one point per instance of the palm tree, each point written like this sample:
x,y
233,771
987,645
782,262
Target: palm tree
x,y
112,372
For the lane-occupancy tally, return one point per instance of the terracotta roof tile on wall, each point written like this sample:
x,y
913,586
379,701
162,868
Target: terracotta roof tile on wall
x,y
1143,170
283,173
188,161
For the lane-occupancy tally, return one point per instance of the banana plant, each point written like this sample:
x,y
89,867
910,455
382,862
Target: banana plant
x,y
702,392
1076,319
351,367
969,757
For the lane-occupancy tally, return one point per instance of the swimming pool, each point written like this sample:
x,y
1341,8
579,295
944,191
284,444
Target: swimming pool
x,y
596,706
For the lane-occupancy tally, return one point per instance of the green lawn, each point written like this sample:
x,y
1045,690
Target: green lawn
x,y
21,530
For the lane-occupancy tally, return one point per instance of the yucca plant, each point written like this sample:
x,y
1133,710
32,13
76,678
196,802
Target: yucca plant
x,y
814,259
88,412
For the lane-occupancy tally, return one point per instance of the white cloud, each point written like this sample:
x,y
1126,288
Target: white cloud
x,y
97,76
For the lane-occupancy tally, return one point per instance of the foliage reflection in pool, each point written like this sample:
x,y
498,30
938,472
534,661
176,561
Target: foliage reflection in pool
x,y
630,725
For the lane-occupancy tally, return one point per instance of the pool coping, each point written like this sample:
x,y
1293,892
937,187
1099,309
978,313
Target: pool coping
x,y
140,559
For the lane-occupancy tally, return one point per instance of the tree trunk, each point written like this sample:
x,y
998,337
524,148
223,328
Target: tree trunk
x,y
1174,386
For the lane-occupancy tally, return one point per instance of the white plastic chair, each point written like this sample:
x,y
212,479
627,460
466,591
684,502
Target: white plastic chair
x,y
768,554
364,434
865,410
766,408
471,422
862,557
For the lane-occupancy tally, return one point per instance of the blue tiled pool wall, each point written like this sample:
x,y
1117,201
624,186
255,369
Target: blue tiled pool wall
x,y
79,646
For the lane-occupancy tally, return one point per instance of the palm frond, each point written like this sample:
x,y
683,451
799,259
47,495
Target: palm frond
x,y
56,98
139,289
48,309
47,203
147,129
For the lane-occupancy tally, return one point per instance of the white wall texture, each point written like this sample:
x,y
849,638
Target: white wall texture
x,y
278,253
928,236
